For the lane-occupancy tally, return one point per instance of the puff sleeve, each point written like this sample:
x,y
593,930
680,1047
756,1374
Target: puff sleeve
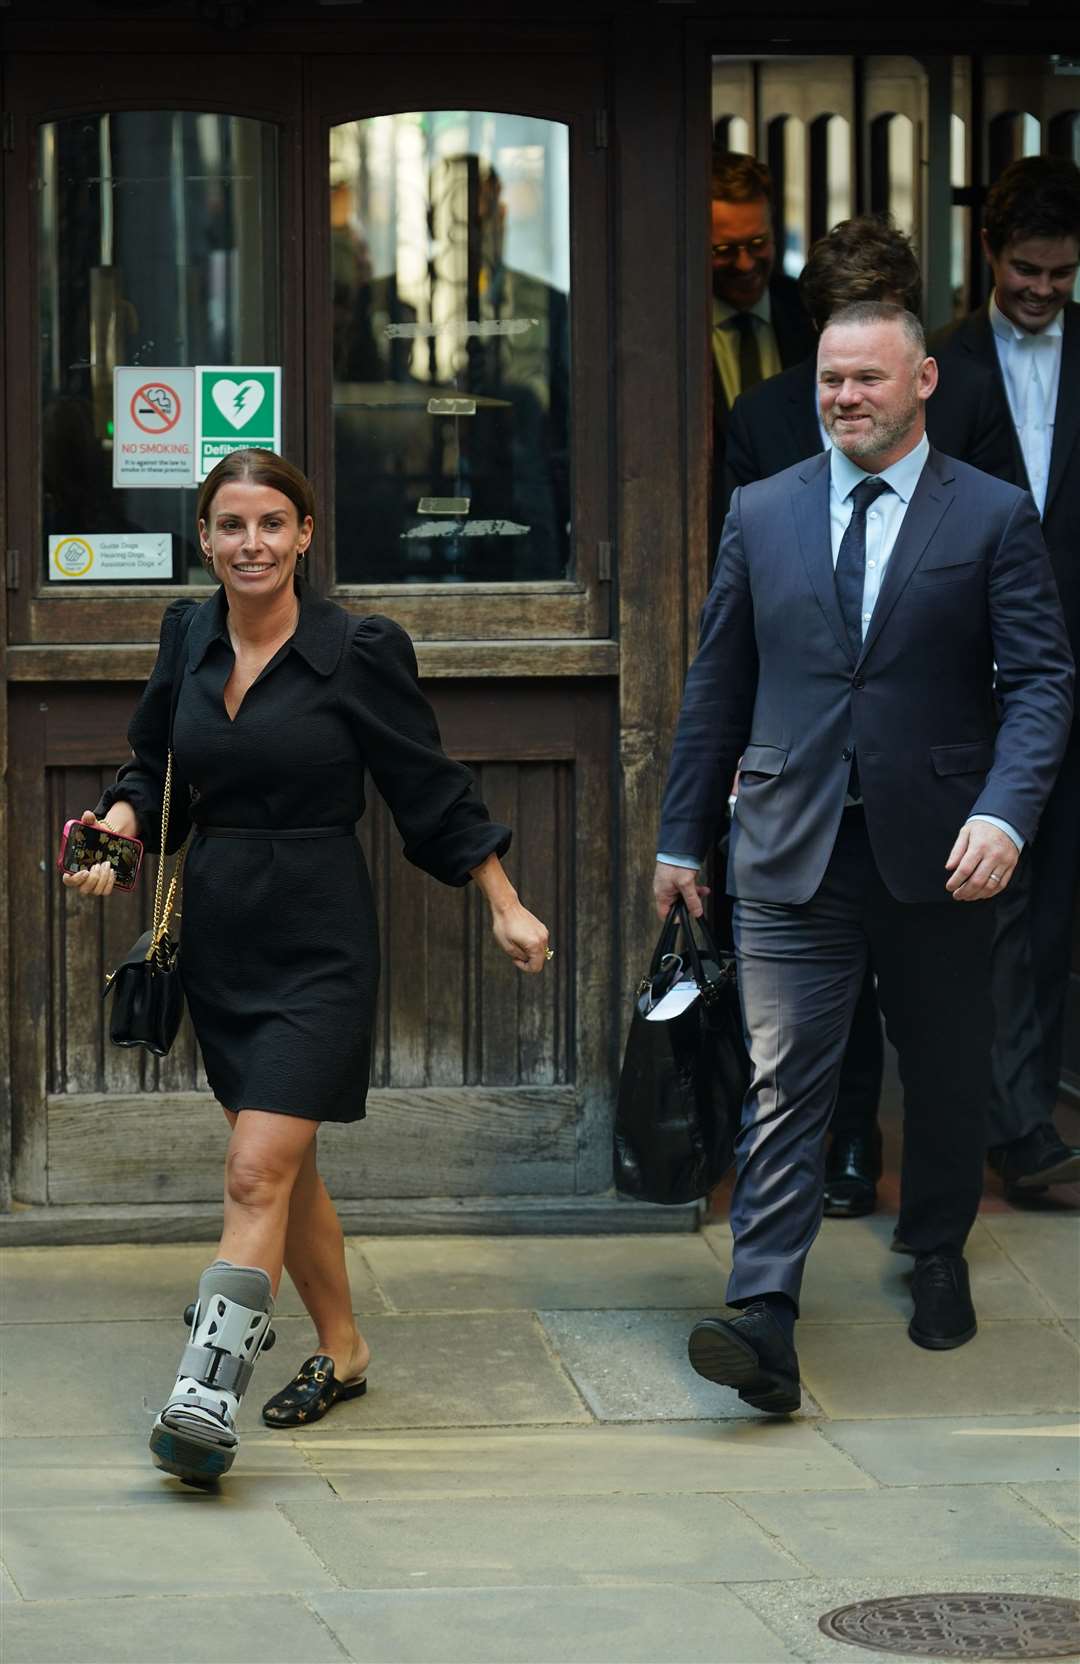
x,y
446,829
141,781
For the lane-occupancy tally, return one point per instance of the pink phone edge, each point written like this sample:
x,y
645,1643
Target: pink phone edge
x,y
68,824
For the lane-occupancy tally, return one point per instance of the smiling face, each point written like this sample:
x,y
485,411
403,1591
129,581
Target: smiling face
x,y
873,387
254,535
743,233
1033,278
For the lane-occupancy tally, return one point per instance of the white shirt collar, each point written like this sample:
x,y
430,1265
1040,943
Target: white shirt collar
x,y
1008,331
722,311
902,476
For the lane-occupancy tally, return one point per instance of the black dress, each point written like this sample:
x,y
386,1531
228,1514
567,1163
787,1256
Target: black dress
x,y
280,955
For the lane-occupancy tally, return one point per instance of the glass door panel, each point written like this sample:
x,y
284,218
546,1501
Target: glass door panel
x,y
450,276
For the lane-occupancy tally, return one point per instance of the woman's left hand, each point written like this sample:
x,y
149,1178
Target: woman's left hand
x,y
522,936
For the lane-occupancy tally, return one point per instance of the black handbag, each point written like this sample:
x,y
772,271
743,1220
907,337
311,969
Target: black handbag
x,y
148,997
684,1077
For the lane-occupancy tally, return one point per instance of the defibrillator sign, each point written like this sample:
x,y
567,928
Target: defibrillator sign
x,y
153,426
237,408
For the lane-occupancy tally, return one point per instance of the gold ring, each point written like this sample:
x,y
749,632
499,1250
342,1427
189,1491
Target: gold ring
x,y
549,953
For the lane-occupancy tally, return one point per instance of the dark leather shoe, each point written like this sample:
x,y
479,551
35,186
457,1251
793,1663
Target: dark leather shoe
x,y
852,1170
1038,1159
944,1316
751,1353
313,1390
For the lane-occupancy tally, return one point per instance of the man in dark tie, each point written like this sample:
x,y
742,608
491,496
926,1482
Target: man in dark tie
x,y
759,323
860,605
1026,341
778,423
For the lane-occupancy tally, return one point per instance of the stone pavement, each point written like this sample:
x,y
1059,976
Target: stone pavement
x,y
535,1475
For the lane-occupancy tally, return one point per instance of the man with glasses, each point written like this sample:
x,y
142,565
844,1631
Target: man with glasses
x,y
760,326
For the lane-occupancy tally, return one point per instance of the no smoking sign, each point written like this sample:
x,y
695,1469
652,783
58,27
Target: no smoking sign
x,y
154,438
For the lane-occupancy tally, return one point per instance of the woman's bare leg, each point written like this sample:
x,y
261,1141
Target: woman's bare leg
x,y
314,1255
315,1260
264,1158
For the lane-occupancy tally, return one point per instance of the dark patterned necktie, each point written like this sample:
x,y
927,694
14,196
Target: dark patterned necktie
x,y
749,356
851,580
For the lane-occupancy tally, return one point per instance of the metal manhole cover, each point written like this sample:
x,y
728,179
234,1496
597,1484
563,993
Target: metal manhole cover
x,y
960,1626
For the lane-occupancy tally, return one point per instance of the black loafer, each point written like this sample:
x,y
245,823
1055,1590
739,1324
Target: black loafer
x,y
750,1353
944,1316
313,1390
852,1169
1030,1164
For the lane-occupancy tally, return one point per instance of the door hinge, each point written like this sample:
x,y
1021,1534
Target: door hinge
x,y
600,129
7,130
603,561
13,568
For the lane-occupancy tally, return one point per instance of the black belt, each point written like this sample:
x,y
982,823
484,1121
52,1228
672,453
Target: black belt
x,y
276,832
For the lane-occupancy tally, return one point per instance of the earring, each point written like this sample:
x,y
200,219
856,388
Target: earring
x,y
301,555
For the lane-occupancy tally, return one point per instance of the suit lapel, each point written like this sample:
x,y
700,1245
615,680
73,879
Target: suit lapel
x,y
810,505
1067,414
930,500
977,336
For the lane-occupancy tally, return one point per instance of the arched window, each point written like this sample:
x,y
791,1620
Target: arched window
x,y
786,155
1063,135
892,168
731,133
1013,133
830,173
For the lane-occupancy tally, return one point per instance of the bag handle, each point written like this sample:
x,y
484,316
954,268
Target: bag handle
x,y
694,951
164,904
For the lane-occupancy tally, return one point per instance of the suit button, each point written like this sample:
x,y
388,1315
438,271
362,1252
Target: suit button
x,y
858,682
846,754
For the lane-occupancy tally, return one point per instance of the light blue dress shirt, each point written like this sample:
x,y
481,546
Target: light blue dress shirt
x,y
883,522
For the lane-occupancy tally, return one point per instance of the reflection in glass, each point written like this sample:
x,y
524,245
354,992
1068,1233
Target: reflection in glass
x,y
158,242
450,250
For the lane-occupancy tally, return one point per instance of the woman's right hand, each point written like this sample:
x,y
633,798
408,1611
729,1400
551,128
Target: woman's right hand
x,y
100,879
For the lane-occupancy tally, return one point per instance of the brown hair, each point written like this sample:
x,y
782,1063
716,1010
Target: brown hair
x,y
258,468
1036,196
739,178
865,258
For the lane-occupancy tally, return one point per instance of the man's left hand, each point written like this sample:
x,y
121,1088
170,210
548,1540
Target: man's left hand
x,y
982,861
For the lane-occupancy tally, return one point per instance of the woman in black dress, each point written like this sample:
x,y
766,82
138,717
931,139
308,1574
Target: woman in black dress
x,y
282,702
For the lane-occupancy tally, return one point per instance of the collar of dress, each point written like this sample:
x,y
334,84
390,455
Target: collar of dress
x,y
319,636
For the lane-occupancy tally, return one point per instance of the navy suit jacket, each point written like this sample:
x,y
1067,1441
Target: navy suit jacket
x,y
968,585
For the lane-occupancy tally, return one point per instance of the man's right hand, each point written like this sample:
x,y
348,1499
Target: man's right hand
x,y
669,883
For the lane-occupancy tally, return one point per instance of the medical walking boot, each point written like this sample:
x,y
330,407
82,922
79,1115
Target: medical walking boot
x,y
195,1436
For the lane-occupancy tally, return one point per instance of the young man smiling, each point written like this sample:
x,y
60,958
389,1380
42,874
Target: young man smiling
x,y
1028,334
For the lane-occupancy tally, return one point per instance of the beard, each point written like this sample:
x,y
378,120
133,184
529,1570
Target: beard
x,y
878,436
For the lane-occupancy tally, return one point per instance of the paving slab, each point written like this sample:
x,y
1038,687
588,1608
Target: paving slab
x,y
950,1529
632,1366
971,1450
563,1273
496,1541
428,1372
636,1624
868,1370
583,1461
92,1284
792,1610
213,1548
1071,1325
1046,1247
109,1471
8,1591
275,1629
1058,1499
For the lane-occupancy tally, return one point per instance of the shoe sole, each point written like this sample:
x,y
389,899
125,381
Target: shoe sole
x,y
188,1458
1066,1172
940,1343
849,1210
727,1361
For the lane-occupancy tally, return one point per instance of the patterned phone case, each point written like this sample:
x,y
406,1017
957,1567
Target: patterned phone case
x,y
85,846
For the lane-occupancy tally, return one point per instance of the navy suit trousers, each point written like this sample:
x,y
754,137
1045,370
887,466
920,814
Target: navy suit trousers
x,y
800,973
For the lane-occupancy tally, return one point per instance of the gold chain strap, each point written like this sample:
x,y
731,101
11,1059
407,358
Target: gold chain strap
x,y
163,913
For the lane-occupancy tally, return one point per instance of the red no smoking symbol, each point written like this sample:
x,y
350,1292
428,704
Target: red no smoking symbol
x,y
155,407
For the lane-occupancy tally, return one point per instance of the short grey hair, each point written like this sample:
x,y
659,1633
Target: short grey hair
x,y
883,312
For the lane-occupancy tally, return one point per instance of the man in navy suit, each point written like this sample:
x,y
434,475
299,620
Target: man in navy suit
x,y
776,424
1026,342
861,603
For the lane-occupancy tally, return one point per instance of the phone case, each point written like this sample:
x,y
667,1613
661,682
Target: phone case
x,y
84,846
